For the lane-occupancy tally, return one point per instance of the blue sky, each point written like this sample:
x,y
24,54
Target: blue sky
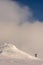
x,y
36,7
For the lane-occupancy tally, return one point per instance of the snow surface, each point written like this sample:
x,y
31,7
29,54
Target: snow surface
x,y
10,55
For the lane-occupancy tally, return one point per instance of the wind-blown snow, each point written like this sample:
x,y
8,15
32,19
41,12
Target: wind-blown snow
x,y
12,51
11,55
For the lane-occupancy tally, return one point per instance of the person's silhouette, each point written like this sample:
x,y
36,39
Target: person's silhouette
x,y
35,54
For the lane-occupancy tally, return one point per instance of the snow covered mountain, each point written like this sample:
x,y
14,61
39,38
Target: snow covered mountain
x,y
10,50
10,55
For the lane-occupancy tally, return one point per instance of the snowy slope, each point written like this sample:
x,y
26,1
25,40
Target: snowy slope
x,y
10,55
10,50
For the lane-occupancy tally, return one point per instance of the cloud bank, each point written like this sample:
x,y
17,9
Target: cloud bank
x,y
15,26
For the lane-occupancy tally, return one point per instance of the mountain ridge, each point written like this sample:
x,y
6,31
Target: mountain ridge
x,y
10,50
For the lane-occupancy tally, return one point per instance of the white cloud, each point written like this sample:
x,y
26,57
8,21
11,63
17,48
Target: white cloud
x,y
11,16
28,36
